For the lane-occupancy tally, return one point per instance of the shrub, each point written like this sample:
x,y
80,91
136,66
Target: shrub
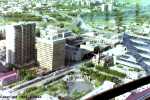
x,y
26,74
89,64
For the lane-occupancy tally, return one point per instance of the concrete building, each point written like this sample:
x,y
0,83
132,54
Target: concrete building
x,y
73,53
138,52
20,44
51,49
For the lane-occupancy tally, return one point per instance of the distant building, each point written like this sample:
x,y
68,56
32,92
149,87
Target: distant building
x,y
51,49
20,44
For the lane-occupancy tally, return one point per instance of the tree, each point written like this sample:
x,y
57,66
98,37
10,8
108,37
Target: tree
x,y
118,19
138,17
98,51
77,31
106,13
89,64
61,25
25,9
12,67
37,31
27,74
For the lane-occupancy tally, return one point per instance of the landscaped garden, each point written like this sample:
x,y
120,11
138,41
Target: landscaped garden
x,y
54,89
58,88
100,73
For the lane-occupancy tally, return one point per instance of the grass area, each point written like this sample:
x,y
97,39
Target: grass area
x,y
130,68
77,95
119,66
109,71
135,69
97,83
58,88
34,91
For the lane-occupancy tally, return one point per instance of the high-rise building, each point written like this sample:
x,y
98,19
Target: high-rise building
x,y
20,44
51,50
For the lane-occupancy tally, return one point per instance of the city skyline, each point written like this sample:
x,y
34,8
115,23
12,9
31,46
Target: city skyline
x,y
74,49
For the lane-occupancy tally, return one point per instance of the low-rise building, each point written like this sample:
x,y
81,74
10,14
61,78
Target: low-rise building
x,y
72,53
9,77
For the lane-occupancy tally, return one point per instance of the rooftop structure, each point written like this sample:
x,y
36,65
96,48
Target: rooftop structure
x,y
52,33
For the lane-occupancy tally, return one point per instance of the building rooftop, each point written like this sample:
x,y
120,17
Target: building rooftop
x,y
7,75
52,33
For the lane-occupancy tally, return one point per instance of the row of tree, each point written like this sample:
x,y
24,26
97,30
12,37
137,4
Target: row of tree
x,y
23,17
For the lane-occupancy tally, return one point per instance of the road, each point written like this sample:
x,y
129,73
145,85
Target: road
x,y
38,81
42,80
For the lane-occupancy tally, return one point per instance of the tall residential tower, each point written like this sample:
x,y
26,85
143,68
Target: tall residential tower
x,y
20,44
